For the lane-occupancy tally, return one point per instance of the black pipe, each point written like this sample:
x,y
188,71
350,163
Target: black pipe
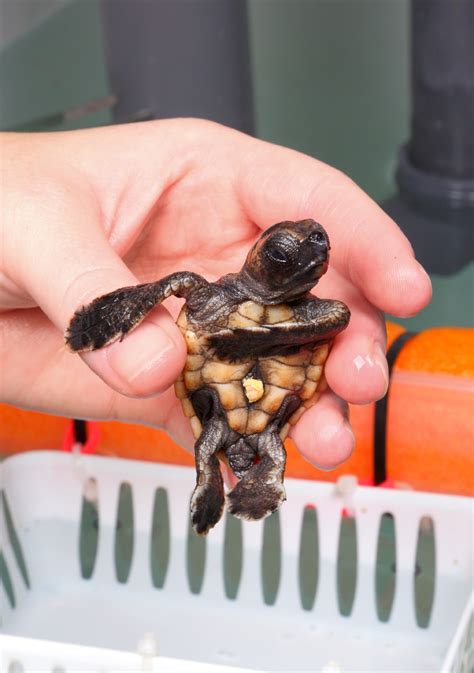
x,y
435,174
174,58
442,141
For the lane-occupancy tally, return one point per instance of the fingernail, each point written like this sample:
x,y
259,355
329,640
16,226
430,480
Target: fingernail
x,y
373,361
338,442
419,288
141,353
380,359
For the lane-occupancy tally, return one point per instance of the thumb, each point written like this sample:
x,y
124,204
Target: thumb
x,y
60,255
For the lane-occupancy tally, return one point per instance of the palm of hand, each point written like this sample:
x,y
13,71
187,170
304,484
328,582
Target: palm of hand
x,y
200,225
197,225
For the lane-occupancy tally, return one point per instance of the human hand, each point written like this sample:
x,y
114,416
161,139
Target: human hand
x,y
86,212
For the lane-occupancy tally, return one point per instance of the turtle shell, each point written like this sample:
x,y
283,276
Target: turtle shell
x,y
251,391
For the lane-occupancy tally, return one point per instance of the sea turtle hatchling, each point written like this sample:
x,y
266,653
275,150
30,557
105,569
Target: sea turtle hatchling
x,y
257,342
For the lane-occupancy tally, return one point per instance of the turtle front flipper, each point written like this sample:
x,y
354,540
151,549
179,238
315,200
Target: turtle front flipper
x,y
316,321
112,316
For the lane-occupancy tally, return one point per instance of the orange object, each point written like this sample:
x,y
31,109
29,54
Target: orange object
x,y
430,443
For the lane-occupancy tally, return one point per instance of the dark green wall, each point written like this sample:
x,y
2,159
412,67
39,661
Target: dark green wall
x,y
330,79
55,66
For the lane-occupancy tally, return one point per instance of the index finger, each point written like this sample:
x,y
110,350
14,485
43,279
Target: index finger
x,y
368,247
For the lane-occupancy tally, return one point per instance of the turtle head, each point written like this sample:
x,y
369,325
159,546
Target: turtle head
x,y
287,261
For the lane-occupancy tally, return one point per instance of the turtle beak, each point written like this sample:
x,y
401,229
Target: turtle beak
x,y
314,258
320,251
317,268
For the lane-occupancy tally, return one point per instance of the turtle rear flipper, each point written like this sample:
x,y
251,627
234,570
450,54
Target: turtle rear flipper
x,y
112,316
207,501
260,491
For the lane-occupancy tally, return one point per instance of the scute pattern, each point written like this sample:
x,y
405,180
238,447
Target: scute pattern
x,y
253,365
281,375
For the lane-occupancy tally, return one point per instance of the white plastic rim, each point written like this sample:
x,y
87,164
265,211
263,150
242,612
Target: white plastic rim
x,y
27,655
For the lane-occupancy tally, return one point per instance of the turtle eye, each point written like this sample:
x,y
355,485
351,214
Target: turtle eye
x,y
316,237
277,255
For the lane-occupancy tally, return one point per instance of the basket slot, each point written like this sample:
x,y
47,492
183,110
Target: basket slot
x,y
124,534
14,591
308,558
425,571
367,525
43,503
385,567
107,504
160,538
403,612
13,569
270,559
89,528
8,597
347,563
233,558
13,539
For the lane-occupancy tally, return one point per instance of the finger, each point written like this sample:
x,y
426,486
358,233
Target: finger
x,y
278,184
148,361
39,374
63,260
323,434
357,369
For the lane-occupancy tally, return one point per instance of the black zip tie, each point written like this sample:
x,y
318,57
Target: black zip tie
x,y
80,431
381,412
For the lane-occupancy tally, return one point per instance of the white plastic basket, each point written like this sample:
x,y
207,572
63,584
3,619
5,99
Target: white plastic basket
x,y
263,595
